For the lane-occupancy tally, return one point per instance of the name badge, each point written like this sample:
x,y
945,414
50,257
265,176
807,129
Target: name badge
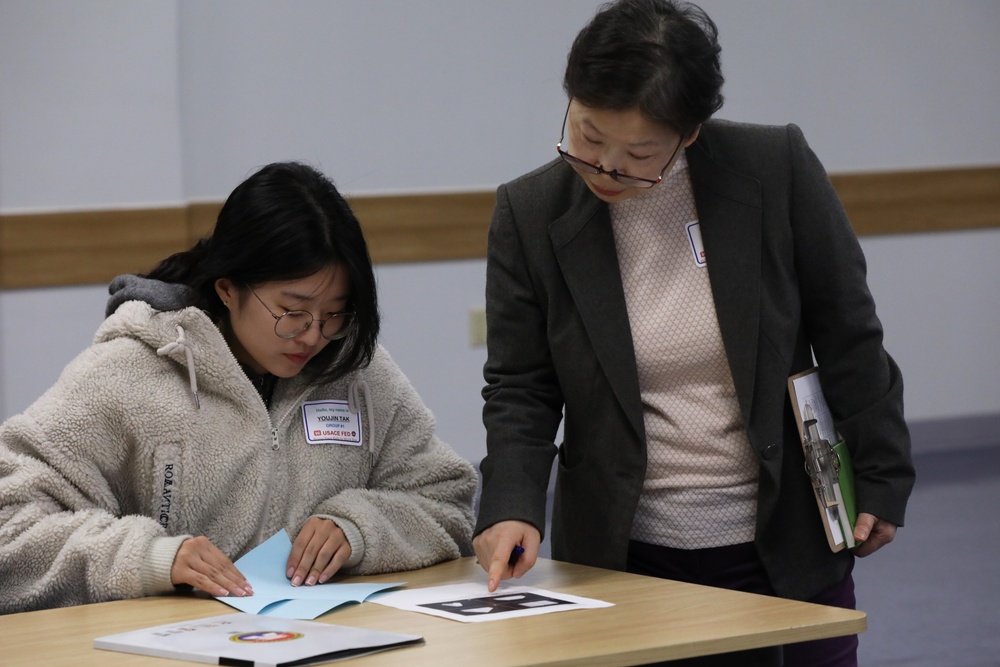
x,y
331,422
697,247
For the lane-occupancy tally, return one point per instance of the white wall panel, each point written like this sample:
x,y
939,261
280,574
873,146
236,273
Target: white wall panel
x,y
88,104
892,84
385,95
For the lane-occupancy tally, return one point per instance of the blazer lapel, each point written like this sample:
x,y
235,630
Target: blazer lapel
x,y
584,246
730,216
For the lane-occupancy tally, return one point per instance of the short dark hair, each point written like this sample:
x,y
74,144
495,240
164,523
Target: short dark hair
x,y
659,56
286,221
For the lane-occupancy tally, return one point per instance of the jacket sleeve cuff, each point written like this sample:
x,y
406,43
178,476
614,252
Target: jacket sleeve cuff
x,y
157,565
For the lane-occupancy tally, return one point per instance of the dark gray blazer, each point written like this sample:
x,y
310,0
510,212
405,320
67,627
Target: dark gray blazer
x,y
786,272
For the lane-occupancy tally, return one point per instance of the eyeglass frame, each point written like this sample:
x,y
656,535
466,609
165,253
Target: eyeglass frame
x,y
617,176
338,335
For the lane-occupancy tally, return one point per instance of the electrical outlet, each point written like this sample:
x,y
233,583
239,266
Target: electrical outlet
x,y
477,326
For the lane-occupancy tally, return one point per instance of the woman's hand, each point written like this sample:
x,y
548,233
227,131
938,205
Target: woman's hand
x,y
871,534
494,547
317,553
199,563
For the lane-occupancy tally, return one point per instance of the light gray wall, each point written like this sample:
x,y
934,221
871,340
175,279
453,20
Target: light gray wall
x,y
88,104
146,102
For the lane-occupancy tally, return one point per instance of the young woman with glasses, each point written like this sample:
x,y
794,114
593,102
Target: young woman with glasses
x,y
652,289
235,391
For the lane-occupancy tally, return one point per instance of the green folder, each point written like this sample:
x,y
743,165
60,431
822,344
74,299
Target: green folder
x,y
846,480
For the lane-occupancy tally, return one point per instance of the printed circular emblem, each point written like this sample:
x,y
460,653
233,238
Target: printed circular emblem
x,y
265,637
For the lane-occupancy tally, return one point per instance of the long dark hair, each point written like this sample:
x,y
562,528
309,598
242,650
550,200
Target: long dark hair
x,y
287,221
660,56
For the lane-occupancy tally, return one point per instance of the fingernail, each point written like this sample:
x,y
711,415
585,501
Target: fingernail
x,y
289,572
323,578
311,580
297,581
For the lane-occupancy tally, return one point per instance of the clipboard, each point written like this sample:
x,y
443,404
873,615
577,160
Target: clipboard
x,y
828,460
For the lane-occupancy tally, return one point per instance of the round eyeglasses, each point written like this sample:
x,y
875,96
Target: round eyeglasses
x,y
624,179
294,323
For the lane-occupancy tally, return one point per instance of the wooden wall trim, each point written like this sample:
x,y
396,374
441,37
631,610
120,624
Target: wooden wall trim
x,y
937,200
91,247
75,248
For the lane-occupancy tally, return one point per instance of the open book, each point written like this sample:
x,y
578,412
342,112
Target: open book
x,y
828,461
255,641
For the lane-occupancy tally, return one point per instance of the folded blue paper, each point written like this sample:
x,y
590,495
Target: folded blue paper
x,y
274,595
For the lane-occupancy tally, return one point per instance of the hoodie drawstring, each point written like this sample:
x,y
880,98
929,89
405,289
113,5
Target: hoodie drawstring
x,y
182,344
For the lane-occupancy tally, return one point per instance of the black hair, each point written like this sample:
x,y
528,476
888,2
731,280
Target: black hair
x,y
659,56
286,221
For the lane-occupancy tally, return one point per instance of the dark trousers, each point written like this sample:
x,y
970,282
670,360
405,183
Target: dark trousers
x,y
738,568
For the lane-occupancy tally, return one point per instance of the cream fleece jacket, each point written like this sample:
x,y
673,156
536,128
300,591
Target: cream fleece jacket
x,y
106,474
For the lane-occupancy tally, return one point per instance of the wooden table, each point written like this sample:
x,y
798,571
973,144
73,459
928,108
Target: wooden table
x,y
652,620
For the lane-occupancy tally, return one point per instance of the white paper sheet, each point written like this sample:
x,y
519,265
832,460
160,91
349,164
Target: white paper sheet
x,y
472,603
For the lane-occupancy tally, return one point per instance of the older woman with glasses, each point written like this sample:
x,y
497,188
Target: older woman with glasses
x,y
652,289
235,391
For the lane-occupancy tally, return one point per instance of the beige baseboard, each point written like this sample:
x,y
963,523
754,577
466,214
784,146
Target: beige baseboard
x,y
91,247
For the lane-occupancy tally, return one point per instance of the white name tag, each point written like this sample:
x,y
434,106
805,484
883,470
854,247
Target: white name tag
x,y
697,247
331,422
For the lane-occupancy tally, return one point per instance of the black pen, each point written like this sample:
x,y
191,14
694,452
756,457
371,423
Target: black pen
x,y
515,552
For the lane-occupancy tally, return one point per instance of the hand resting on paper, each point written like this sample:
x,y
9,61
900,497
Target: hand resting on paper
x,y
871,534
320,549
493,547
199,563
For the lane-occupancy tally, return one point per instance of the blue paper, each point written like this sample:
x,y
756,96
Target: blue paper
x,y
274,595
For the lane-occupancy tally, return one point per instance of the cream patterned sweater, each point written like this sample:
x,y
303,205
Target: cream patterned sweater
x,y
701,473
